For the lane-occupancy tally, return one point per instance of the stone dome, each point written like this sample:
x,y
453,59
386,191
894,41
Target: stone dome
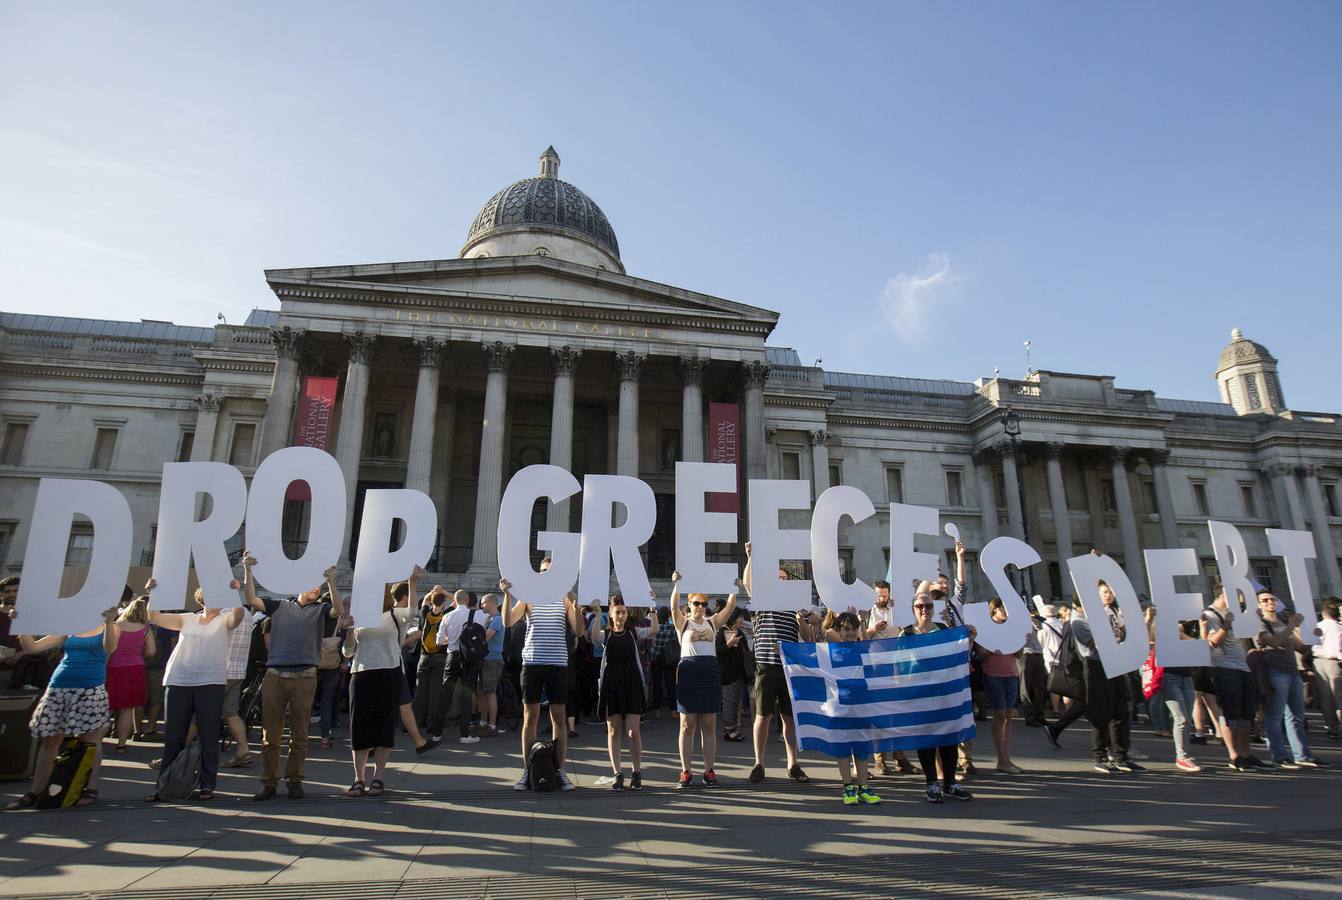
x,y
1241,350
547,205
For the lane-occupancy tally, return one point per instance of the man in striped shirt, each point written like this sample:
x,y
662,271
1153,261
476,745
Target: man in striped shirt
x,y
544,670
771,693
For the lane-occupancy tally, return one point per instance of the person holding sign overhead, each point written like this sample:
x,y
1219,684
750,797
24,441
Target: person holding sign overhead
x,y
698,680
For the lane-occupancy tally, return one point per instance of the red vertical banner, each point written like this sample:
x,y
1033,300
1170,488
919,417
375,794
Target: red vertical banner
x,y
724,446
312,424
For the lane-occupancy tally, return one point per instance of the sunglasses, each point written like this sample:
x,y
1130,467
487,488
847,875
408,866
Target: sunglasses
x,y
697,603
923,606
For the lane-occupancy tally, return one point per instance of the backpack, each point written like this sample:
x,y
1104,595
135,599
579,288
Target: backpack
x,y
180,779
69,775
543,767
473,645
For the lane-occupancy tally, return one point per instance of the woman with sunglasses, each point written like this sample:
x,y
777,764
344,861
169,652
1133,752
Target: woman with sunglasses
x,y
928,757
698,681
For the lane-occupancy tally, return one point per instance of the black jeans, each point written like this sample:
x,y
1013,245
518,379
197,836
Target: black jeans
x,y
459,682
1034,686
205,704
1107,703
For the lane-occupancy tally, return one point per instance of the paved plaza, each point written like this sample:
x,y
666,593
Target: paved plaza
x,y
450,826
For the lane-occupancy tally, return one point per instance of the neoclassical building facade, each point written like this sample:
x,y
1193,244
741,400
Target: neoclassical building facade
x,y
535,345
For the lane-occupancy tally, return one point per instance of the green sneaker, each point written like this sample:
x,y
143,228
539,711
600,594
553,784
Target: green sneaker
x,y
867,795
850,795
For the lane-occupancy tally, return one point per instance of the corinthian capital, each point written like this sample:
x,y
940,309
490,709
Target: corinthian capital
x,y
209,402
288,342
1159,456
565,359
498,355
692,369
431,352
629,365
360,347
820,438
755,373
1119,455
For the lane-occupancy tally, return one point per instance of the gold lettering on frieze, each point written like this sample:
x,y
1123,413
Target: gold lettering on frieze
x,y
513,323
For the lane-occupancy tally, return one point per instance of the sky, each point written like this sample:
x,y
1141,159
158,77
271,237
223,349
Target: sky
x,y
917,188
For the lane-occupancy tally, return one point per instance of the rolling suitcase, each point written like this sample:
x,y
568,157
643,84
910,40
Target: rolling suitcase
x,y
18,747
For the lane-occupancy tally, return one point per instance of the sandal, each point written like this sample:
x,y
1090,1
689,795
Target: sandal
x,y
797,775
375,787
356,790
121,750
27,801
204,795
87,797
326,743
239,762
153,798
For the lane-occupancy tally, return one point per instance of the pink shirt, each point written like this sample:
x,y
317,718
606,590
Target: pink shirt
x,y
129,649
1000,665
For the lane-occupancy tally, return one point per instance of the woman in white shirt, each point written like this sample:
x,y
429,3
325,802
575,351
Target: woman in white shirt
x,y
375,691
698,680
194,682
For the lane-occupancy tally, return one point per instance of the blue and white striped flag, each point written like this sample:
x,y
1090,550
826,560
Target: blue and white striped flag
x,y
865,697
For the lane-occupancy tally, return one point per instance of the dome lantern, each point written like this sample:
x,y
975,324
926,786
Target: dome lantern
x,y
1247,376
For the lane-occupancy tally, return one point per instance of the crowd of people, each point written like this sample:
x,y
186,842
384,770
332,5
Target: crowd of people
x,y
482,665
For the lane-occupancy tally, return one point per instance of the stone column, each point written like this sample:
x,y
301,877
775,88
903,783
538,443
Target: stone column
x,y
1057,501
819,462
1169,522
207,423
629,366
983,468
692,408
419,462
565,361
1287,494
353,407
279,421
1015,515
1127,521
755,373
440,481
1323,535
489,490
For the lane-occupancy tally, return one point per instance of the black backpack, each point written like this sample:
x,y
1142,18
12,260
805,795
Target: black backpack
x,y
473,645
543,767
69,775
182,777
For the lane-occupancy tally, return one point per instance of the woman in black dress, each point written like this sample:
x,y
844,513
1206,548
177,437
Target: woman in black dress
x,y
620,687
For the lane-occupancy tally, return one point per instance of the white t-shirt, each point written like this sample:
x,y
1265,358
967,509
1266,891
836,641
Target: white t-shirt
x,y
1330,645
449,629
877,615
379,647
201,654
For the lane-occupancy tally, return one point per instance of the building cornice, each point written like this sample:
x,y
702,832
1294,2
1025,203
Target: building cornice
x,y
92,373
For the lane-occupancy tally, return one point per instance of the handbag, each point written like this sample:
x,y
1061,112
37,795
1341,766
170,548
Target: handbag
x,y
1153,676
330,654
1067,678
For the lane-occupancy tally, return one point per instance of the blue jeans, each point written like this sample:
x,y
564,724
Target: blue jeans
x,y
328,692
1177,694
1286,707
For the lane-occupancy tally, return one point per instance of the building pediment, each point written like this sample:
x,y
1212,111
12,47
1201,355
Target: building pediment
x,y
520,286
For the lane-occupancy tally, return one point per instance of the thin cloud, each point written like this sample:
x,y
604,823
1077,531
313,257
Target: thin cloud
x,y
911,301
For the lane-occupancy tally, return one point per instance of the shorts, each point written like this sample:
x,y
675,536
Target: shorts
x,y
552,681
1238,696
232,697
490,670
69,711
1003,691
771,694
153,679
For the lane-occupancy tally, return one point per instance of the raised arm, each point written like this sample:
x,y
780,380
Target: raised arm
x,y
411,584
594,633
30,644
720,620
677,617
571,610
249,583
511,612
170,621
745,575
111,631
337,601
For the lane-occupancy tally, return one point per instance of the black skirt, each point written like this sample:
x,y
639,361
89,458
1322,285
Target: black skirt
x,y
374,708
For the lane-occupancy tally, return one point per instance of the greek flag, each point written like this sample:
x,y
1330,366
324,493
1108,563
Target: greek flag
x,y
865,697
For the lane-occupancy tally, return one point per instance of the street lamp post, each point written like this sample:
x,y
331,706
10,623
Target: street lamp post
x,y
1011,426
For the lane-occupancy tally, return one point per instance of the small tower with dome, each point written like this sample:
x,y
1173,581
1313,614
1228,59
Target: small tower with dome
x,y
1247,376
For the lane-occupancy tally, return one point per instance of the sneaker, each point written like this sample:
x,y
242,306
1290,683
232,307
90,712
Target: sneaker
x,y
1127,765
1312,762
710,778
959,793
1198,738
618,783
1254,762
756,775
636,781
1105,766
867,795
934,794
1290,764
499,729
264,794
684,781
523,783
850,795
1188,764
565,783
438,738
1051,732
469,739
1134,753
1239,764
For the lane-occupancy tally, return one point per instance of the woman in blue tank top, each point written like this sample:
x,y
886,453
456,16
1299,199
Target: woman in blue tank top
x,y
75,702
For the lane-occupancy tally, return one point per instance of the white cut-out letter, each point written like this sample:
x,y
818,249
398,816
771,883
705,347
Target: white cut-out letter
x,y
1008,636
770,544
604,543
1117,658
695,527
182,538
374,565
1173,608
519,499
830,508
265,516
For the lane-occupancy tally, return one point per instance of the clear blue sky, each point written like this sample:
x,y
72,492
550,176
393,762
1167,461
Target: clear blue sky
x,y
917,188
